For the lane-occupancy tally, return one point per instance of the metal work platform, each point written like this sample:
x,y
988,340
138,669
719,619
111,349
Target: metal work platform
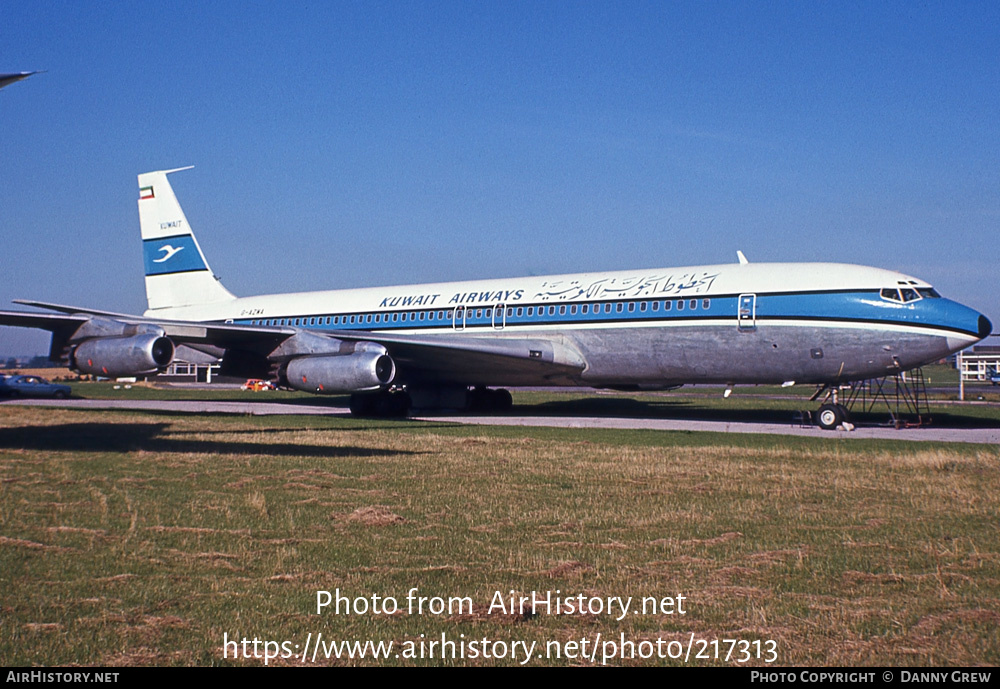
x,y
903,396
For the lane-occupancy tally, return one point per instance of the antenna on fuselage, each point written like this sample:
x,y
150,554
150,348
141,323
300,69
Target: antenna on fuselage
x,y
743,259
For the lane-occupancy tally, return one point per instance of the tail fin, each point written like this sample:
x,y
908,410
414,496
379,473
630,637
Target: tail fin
x,y
177,273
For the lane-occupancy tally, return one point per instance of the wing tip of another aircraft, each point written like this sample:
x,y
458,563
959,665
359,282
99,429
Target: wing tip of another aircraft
x,y
13,77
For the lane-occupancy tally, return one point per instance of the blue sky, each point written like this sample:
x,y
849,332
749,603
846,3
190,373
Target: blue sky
x,y
342,144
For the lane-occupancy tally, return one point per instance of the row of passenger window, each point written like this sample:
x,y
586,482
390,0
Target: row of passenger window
x,y
464,314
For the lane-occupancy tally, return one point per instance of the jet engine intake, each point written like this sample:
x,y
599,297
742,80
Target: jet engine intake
x,y
362,371
123,356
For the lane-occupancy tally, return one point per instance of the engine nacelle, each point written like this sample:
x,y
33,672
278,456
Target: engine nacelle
x,y
123,356
362,371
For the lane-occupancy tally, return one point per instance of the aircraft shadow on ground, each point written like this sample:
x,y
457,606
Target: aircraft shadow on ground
x,y
693,411
156,437
684,409
370,423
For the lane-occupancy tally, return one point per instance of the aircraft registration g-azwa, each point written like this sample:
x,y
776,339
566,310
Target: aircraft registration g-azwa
x,y
458,345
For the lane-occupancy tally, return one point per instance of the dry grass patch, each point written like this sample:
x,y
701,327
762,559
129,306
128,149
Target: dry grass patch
x,y
375,515
22,543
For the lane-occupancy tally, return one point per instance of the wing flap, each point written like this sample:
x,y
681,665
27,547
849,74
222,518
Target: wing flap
x,y
477,360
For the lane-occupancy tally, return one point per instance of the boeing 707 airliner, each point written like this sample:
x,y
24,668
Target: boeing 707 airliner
x,y
460,344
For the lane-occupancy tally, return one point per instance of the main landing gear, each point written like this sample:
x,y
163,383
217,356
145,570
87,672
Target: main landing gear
x,y
386,403
484,399
397,402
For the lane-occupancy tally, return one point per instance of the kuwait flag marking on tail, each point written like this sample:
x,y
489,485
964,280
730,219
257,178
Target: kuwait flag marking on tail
x,y
146,193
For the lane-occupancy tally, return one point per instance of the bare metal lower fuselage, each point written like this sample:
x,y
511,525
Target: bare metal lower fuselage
x,y
650,357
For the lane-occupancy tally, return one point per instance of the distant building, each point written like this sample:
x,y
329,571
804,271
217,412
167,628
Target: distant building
x,y
183,371
979,363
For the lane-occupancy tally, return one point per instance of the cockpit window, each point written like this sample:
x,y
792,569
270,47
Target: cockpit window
x,y
905,295
929,293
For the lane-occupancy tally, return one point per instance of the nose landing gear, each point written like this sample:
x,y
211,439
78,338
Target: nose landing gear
x,y
831,415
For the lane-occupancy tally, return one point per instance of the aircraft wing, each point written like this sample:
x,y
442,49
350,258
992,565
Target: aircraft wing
x,y
218,334
44,321
459,359
62,308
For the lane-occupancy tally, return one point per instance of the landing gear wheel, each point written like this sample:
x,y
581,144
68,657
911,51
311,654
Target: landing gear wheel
x,y
486,400
502,400
362,405
380,404
830,416
397,403
478,399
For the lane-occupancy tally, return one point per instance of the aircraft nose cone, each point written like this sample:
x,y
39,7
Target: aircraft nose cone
x,y
985,327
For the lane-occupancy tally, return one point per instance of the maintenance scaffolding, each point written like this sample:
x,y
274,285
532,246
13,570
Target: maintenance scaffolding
x,y
903,396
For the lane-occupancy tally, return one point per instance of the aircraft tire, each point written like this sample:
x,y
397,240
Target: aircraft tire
x,y
502,400
478,399
830,416
489,400
362,405
399,404
383,404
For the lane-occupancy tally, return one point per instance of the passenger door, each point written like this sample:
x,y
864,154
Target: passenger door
x,y
499,316
746,318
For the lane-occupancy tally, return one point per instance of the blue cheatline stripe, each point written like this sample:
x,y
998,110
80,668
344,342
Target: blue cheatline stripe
x,y
846,307
869,307
166,255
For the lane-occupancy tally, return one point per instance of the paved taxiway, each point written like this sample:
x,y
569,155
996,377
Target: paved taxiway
x,y
930,433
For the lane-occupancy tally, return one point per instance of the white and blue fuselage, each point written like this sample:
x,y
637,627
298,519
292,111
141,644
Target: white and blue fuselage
x,y
737,323
446,344
822,323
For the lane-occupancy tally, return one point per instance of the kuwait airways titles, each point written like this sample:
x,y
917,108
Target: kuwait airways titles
x,y
571,290
499,296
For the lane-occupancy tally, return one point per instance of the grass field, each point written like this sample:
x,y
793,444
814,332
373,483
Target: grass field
x,y
130,538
